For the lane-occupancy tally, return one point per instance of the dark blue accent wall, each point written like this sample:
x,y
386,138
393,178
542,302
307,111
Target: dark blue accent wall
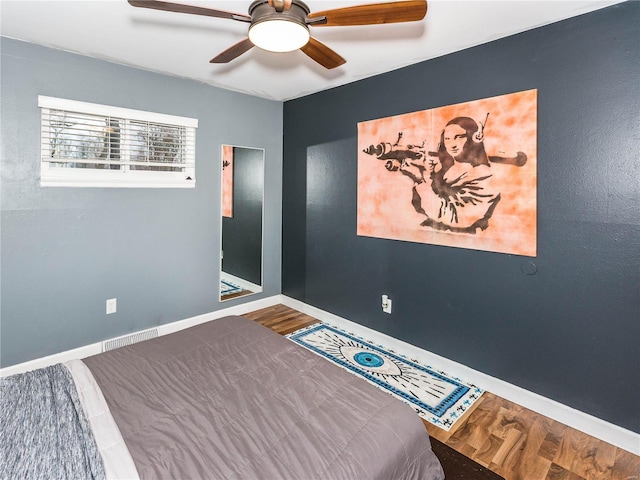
x,y
571,331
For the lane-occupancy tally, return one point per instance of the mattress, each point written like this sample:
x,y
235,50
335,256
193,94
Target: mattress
x,y
230,399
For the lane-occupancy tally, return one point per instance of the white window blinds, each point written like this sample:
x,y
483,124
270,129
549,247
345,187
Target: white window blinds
x,y
86,144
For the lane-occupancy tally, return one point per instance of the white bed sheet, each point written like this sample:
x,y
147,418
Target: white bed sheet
x,y
118,463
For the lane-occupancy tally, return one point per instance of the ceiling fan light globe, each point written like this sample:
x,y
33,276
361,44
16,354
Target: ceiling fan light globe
x,y
279,35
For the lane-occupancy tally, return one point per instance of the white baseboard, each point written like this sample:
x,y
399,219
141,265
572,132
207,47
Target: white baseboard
x,y
596,427
95,348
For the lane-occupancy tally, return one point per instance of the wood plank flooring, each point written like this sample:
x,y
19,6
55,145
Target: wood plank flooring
x,y
241,293
510,440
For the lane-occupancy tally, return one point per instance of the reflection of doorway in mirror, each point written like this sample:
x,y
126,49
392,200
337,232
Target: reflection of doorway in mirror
x,y
227,181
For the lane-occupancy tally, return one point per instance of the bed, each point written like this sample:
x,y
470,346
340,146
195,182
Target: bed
x,y
230,399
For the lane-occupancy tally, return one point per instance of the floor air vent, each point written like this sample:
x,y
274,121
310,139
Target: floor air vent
x,y
129,339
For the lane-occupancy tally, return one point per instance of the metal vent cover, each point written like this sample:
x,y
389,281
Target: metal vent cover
x,y
129,339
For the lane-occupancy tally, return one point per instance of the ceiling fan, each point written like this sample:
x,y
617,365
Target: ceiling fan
x,y
283,25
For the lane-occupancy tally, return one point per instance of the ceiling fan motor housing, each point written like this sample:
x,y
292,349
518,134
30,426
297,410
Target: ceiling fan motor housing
x,y
279,26
261,11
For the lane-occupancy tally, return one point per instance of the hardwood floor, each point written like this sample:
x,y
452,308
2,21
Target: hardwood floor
x,y
241,293
513,441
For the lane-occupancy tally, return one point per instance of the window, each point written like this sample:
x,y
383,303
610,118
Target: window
x,y
90,145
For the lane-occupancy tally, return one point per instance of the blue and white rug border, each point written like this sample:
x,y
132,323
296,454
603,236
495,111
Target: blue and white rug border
x,y
459,405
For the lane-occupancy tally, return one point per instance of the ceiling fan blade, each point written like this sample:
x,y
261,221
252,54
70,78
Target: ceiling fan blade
x,y
372,14
233,51
322,54
193,9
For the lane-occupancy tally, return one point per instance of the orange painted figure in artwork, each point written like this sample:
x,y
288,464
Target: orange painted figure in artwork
x,y
453,187
460,180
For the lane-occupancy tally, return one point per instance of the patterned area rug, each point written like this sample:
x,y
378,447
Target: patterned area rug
x,y
435,396
227,287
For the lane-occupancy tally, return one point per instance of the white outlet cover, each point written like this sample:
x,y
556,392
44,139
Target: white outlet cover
x,y
112,305
386,307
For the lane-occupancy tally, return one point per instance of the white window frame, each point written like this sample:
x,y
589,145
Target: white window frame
x,y
51,176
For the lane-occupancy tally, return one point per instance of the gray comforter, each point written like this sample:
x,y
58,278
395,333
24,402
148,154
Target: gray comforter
x,y
230,399
44,432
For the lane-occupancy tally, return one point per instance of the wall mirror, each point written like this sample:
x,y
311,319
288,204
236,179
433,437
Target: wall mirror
x,y
242,204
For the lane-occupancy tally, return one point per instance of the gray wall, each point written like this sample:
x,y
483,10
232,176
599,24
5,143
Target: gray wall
x,y
569,332
66,250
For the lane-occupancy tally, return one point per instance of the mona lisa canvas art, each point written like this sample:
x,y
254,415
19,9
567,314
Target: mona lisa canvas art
x,y
462,175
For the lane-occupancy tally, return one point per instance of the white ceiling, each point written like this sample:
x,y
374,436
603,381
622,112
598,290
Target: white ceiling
x,y
182,45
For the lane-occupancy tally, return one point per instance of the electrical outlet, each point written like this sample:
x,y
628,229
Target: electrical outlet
x,y
111,305
386,304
